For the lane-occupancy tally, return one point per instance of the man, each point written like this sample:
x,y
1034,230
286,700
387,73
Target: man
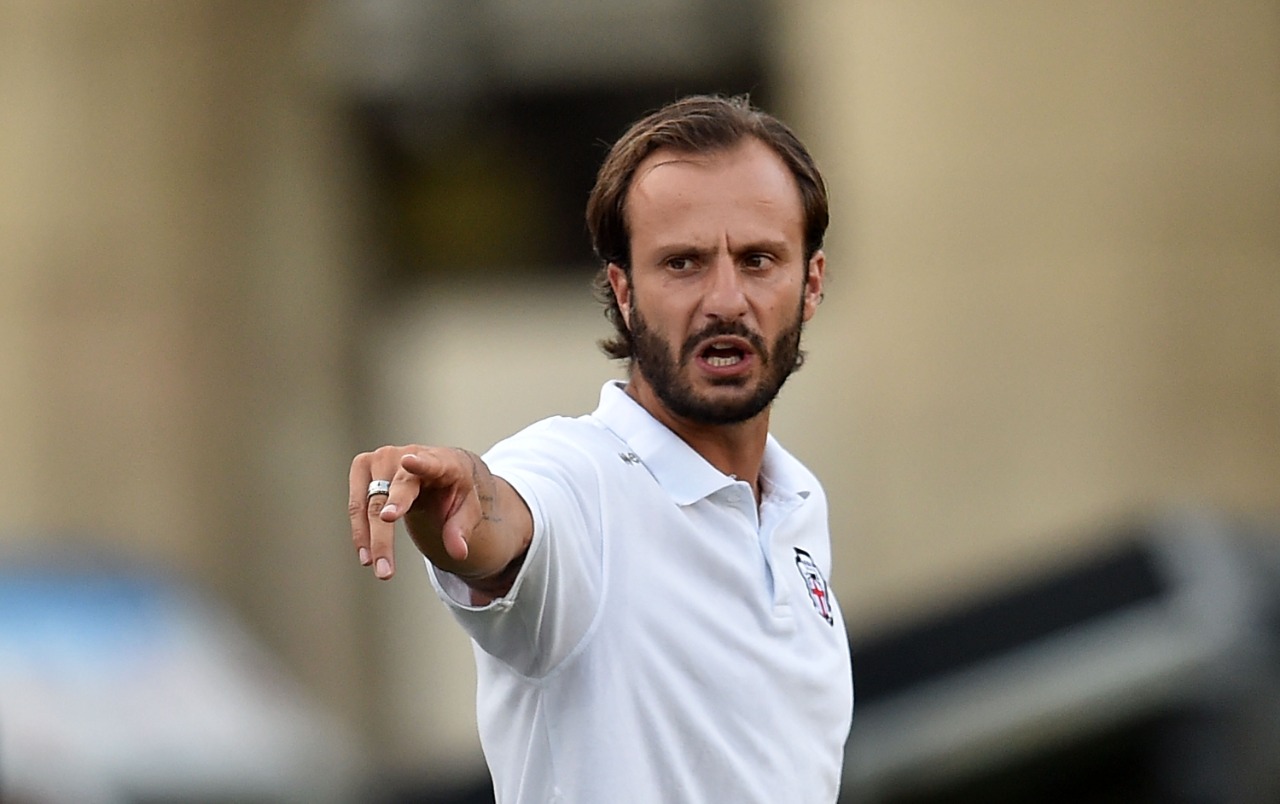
x,y
646,586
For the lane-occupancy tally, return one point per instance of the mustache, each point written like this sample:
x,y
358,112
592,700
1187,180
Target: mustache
x,y
720,328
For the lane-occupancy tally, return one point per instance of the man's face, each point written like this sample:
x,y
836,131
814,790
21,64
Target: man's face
x,y
718,290
665,369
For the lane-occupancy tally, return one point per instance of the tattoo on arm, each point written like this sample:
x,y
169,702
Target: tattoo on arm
x,y
484,590
486,487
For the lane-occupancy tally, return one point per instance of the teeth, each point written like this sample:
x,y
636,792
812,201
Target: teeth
x,y
721,362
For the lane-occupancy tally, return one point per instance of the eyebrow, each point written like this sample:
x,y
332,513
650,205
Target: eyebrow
x,y
683,250
766,245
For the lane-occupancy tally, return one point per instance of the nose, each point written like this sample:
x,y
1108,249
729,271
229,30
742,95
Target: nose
x,y
725,296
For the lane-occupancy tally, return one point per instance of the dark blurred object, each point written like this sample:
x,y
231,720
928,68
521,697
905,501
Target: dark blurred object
x,y
1148,672
407,791
484,122
120,684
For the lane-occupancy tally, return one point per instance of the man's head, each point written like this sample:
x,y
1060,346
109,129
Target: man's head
x,y
696,124
709,217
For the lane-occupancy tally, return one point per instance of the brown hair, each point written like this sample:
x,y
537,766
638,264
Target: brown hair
x,y
699,124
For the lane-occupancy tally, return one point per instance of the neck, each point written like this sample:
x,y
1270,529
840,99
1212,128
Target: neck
x,y
735,449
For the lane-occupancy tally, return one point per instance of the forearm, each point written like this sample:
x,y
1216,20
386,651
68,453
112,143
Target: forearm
x,y
496,537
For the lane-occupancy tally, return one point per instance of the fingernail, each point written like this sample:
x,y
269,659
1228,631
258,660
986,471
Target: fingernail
x,y
384,568
364,556
389,509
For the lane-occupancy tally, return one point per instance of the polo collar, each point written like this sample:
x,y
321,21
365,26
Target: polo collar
x,y
678,468
684,474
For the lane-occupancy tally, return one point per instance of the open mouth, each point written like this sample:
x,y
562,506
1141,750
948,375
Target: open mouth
x,y
723,353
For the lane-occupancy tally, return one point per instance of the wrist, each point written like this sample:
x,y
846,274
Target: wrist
x,y
499,583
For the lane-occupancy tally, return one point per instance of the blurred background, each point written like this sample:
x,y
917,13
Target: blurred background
x,y
242,241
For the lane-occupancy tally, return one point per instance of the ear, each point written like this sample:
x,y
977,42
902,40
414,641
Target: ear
x,y
813,283
621,290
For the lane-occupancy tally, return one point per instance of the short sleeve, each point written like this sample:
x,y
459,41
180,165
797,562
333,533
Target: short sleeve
x,y
555,596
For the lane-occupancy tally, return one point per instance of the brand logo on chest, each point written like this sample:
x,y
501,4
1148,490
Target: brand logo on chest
x,y
819,593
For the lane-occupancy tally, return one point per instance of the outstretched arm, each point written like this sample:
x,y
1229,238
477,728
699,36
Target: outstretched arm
x,y
461,517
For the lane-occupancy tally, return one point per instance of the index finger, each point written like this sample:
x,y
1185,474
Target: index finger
x,y
439,467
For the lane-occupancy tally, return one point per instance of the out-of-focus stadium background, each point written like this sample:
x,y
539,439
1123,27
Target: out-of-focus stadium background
x,y
241,241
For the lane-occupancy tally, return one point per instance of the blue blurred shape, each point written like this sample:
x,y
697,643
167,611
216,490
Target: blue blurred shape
x,y
119,685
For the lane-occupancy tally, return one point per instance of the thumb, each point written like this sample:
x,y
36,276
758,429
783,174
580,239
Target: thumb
x,y
459,523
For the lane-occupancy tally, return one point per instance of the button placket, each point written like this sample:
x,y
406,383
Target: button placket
x,y
778,512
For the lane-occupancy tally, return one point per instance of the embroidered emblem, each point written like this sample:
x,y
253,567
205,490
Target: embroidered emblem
x,y
817,585
629,457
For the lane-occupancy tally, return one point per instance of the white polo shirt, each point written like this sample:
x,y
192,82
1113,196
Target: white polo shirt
x,y
664,641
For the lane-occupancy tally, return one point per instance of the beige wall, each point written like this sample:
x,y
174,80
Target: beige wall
x,y
174,259
1056,275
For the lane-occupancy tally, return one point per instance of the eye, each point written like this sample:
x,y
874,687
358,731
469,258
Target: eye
x,y
757,261
679,263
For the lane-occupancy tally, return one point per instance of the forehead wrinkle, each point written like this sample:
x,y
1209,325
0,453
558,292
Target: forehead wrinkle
x,y
764,200
740,235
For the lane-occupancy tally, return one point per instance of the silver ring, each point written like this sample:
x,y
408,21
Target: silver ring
x,y
379,487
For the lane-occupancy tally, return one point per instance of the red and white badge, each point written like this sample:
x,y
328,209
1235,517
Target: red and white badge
x,y
819,593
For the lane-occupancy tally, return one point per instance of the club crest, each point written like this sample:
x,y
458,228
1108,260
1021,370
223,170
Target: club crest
x,y
817,585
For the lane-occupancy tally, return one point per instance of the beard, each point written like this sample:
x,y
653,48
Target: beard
x,y
663,368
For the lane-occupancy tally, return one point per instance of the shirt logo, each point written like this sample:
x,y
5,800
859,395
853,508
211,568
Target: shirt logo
x,y
817,585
